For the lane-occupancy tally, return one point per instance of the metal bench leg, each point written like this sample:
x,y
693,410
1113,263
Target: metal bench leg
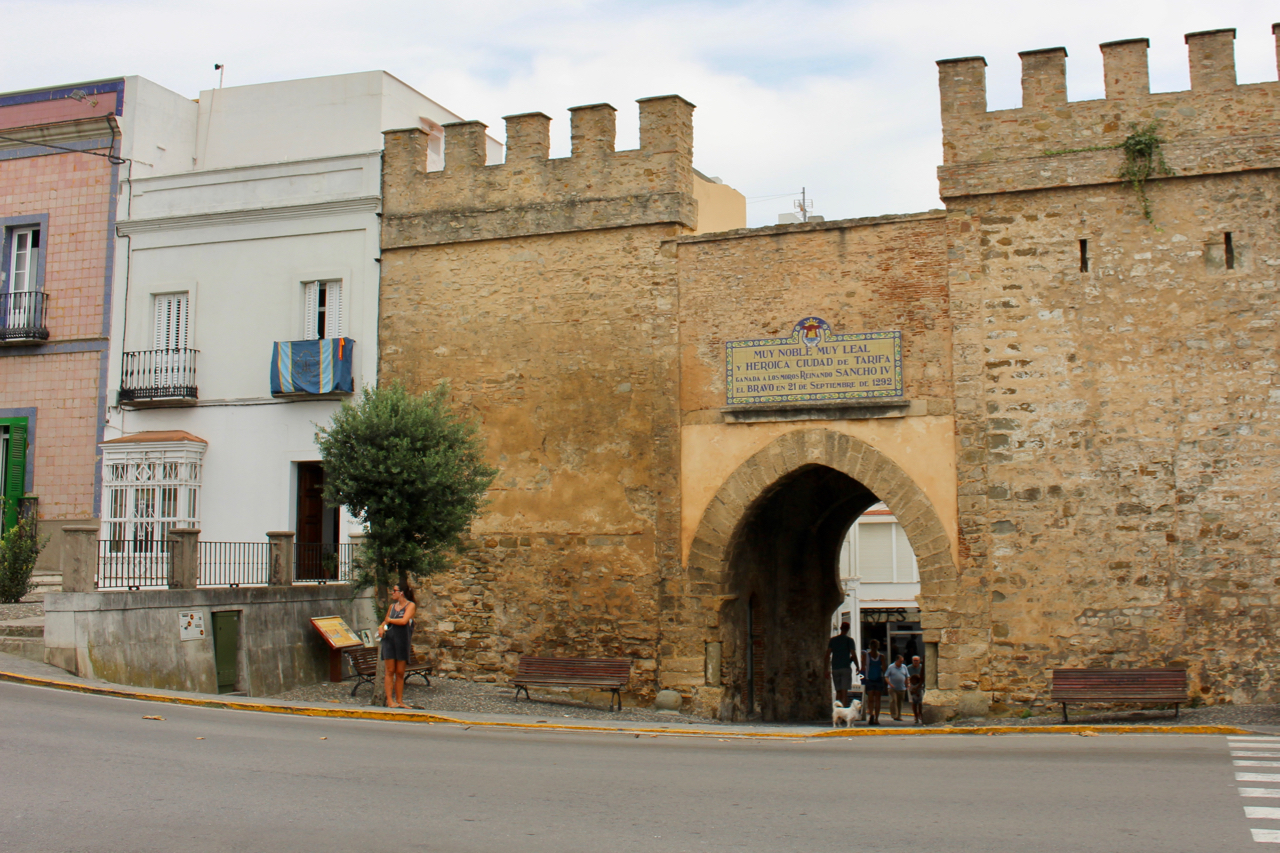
x,y
616,695
1175,710
1064,712
360,679
525,689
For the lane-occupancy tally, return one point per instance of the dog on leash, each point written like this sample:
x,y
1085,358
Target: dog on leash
x,y
849,715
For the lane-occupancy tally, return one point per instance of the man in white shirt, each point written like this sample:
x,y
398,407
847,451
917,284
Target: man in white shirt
x,y
897,677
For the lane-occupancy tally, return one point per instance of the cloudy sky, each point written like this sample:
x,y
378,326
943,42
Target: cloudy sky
x,y
838,96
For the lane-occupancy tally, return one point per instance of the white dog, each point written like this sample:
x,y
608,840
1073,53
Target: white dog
x,y
849,715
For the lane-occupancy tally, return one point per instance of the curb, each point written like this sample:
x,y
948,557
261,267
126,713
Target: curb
x,y
427,717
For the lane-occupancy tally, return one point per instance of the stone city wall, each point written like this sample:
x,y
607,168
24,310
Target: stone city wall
x,y
1115,381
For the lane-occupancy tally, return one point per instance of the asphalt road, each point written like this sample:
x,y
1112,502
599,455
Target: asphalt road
x,y
88,773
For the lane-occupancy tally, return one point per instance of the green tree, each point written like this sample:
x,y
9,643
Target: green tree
x,y
412,470
20,545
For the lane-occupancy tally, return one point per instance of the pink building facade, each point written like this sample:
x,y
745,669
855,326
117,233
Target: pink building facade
x,y
60,173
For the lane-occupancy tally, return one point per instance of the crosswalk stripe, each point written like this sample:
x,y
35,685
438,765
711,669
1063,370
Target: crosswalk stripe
x,y
1260,792
1255,753
1252,763
1261,813
1258,777
1266,836
1254,741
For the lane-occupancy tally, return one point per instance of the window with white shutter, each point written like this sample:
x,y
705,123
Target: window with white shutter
x,y
323,317
172,320
875,552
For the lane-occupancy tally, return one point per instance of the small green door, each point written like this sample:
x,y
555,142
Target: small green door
x,y
226,648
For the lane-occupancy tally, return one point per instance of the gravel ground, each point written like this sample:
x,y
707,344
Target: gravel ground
x,y
457,696
20,611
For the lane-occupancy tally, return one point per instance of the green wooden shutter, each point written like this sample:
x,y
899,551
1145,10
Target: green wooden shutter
x,y
15,470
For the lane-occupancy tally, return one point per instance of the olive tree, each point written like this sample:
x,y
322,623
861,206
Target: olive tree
x,y
412,471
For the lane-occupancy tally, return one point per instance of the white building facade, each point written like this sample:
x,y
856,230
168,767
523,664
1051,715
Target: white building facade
x,y
246,308
881,581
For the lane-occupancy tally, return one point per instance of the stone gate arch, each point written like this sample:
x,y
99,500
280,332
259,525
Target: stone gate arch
x,y
829,478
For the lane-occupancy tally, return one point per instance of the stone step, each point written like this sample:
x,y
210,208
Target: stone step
x,y
31,648
45,583
23,637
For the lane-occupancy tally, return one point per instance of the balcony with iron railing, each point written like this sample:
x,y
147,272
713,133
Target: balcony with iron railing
x,y
158,377
22,317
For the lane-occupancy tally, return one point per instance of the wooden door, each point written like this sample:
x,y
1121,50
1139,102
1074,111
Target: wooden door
x,y
226,649
310,530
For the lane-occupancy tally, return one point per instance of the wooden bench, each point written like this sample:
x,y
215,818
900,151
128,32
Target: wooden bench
x,y
364,665
602,673
1119,685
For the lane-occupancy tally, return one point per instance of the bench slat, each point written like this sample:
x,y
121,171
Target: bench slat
x,y
608,673
1118,685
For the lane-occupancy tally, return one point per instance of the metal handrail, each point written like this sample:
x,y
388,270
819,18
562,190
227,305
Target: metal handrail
x,y
234,563
22,316
133,563
159,374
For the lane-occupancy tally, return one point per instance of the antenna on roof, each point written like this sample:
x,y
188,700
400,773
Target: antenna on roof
x,y
221,69
804,205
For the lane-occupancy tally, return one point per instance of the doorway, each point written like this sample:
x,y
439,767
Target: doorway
x,y
226,649
784,579
316,548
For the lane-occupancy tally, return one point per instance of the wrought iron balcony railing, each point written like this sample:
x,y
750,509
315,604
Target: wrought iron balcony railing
x,y
161,374
22,316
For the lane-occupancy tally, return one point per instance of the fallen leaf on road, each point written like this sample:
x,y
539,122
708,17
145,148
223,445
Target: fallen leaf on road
x,y
1087,734
199,738
153,718
324,738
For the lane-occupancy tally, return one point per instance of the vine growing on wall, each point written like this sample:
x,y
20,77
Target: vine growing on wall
x,y
1143,157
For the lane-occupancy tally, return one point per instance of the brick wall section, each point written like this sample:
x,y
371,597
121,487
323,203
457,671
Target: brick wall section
x,y
74,190
64,389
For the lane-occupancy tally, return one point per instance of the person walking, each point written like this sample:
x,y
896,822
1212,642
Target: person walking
x,y
395,631
873,681
915,687
841,651
897,677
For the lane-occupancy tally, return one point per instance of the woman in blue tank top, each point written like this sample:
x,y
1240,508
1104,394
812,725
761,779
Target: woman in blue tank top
x,y
873,680
396,631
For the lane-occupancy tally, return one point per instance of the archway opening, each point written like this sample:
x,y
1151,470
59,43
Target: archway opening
x,y
783,586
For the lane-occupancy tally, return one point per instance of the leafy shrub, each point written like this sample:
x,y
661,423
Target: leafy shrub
x,y
19,548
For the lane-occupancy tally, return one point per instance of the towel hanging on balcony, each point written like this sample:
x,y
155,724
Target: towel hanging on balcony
x,y
312,367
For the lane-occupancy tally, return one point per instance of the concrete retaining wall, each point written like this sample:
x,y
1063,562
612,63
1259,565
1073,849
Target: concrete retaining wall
x,y
133,637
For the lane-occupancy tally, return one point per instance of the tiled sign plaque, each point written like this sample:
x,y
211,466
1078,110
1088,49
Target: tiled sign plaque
x,y
813,365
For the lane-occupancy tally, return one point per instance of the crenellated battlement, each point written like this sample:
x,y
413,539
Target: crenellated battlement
x,y
1217,125
530,193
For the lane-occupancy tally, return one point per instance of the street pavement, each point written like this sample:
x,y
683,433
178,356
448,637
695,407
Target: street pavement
x,y
90,773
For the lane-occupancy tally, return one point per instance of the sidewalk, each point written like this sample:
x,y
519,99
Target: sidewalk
x,y
19,670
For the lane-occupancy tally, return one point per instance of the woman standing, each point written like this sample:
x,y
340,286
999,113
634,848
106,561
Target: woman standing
x,y
873,680
395,631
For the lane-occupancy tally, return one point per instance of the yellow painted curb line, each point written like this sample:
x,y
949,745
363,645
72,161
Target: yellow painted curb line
x,y
1076,729
425,717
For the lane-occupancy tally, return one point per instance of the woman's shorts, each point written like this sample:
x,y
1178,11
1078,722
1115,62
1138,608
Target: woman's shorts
x,y
878,685
395,644
842,678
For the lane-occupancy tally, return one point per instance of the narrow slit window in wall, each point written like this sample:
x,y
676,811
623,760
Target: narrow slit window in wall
x,y
1084,256
1229,250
